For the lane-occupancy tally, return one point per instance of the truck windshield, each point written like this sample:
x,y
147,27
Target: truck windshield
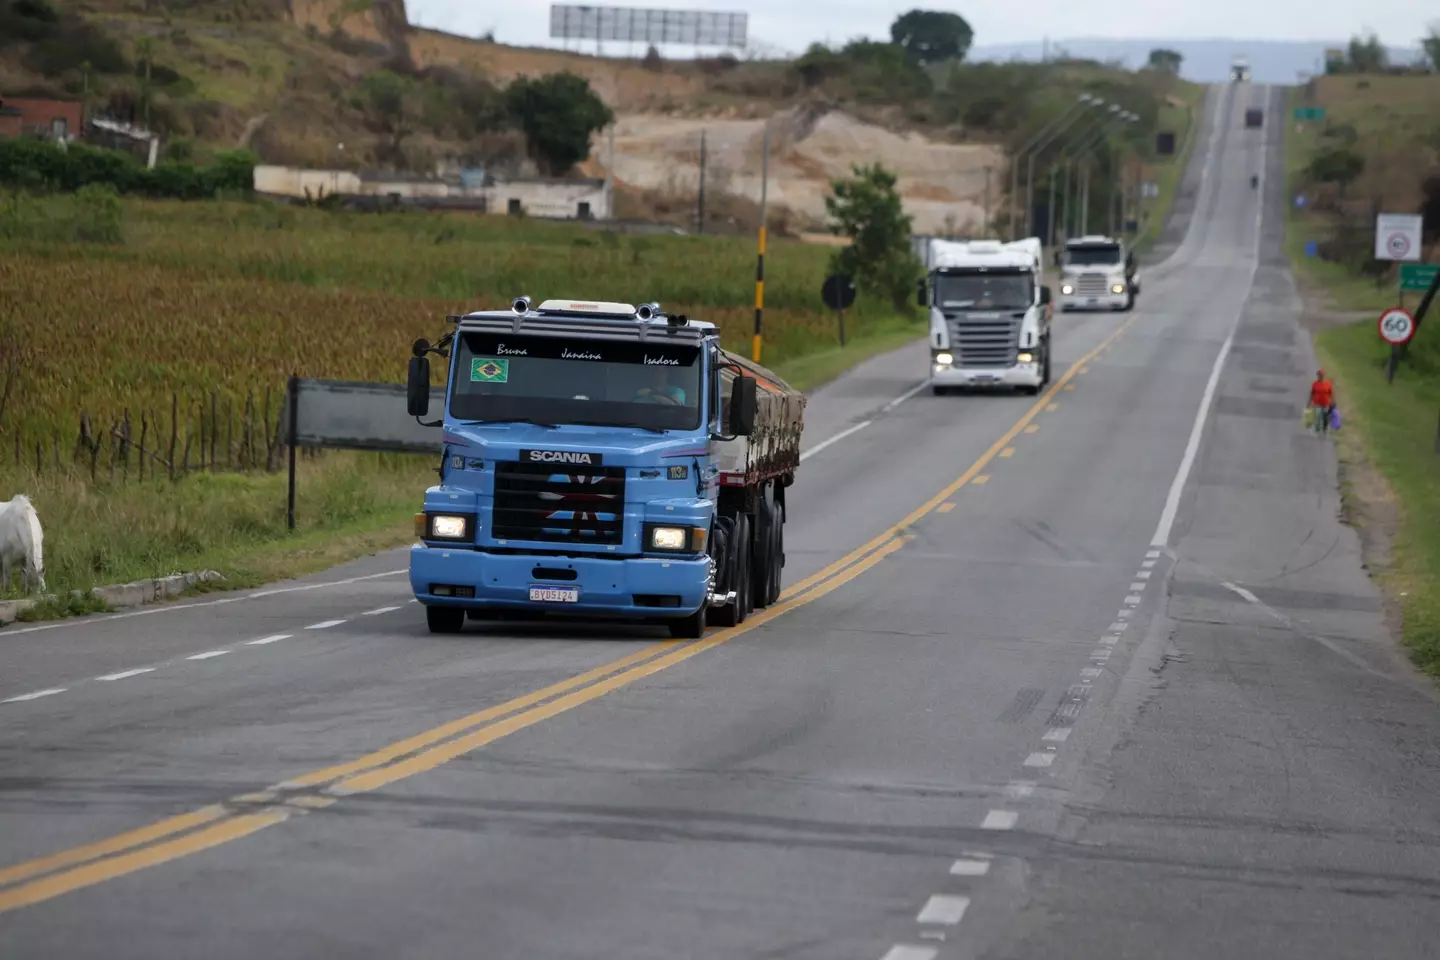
x,y
990,290
1092,256
555,380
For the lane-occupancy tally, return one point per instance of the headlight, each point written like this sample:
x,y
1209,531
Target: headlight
x,y
664,538
1026,358
944,359
444,526
668,538
1117,288
1067,288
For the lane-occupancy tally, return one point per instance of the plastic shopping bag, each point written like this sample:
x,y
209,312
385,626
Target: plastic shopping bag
x,y
1308,417
1334,418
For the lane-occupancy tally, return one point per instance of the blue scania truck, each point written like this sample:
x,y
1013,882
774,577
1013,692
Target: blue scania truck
x,y
601,460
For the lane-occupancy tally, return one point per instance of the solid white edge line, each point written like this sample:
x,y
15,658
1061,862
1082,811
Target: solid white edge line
x,y
208,655
172,607
1197,430
906,395
36,695
943,909
126,673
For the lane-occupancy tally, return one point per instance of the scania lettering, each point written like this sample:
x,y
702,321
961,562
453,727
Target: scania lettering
x,y
989,315
1098,273
600,460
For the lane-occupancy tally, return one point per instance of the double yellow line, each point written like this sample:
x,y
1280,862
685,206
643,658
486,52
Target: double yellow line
x,y
41,879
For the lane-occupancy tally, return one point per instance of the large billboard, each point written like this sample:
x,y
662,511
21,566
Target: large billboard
x,y
697,28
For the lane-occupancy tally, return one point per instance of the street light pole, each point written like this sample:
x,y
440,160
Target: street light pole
x,y
1080,103
1086,101
1077,152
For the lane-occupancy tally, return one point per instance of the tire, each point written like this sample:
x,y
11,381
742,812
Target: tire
x,y
691,627
778,566
765,560
445,619
747,566
738,561
940,391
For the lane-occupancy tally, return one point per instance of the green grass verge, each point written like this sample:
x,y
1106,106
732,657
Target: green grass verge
x,y
1168,174
1393,426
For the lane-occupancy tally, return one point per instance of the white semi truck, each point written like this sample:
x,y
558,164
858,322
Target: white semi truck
x,y
989,315
1240,70
1098,273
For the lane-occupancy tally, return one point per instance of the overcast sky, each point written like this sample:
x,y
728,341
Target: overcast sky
x,y
794,24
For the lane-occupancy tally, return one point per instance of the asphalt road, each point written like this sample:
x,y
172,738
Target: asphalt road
x,y
1068,677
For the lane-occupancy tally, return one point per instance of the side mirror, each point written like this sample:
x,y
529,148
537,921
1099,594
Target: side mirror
x,y
417,387
1044,295
742,407
920,297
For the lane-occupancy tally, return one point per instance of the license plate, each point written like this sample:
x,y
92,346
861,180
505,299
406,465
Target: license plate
x,y
555,594
985,378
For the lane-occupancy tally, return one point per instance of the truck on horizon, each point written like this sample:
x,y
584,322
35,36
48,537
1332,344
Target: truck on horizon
x,y
601,460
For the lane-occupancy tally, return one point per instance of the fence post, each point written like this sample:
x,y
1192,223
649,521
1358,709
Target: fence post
x,y
294,417
174,425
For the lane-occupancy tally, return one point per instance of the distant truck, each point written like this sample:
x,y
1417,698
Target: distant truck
x,y
1254,117
601,460
989,315
1239,70
1098,273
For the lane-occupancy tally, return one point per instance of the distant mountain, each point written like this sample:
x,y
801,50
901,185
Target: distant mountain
x,y
1206,61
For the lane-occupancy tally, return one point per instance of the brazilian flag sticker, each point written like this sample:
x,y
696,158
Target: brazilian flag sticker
x,y
489,370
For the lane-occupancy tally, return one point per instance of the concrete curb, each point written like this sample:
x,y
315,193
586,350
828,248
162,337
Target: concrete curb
x,y
121,595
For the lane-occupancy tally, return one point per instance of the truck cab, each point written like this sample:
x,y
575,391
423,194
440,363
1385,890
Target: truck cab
x,y
1240,70
989,315
601,460
1098,273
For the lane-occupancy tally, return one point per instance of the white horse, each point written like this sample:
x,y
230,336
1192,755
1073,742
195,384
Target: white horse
x,y
21,542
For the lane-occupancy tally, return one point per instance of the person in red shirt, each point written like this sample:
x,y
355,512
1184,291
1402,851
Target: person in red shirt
x,y
1322,399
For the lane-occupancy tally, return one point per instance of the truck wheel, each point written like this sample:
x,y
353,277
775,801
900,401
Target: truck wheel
x,y
778,566
762,566
445,619
737,575
1045,370
691,627
940,391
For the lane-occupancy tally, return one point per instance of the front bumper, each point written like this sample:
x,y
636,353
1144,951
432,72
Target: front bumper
x,y
1103,301
607,587
1020,375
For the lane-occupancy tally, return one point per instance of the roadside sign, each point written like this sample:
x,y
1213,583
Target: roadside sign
x,y
1300,201
1417,277
1396,326
838,292
1309,113
1150,189
1397,236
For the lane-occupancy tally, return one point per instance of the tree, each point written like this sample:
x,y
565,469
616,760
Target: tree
x,y
867,209
558,113
1431,46
1166,61
1368,54
930,36
388,99
1338,165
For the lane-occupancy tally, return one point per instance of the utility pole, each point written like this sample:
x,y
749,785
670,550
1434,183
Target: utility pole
x,y
985,226
700,220
760,257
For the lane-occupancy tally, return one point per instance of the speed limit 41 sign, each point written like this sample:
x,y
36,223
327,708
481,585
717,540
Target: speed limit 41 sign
x,y
1396,326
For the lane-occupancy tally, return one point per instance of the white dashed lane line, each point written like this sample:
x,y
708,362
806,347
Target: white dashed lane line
x,y
969,868
1000,820
36,695
324,624
263,641
378,610
126,674
906,951
207,655
946,910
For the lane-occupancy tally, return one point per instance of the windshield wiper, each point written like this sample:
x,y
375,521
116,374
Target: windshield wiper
x,y
538,423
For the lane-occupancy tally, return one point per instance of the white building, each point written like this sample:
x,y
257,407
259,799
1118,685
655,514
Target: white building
x,y
535,197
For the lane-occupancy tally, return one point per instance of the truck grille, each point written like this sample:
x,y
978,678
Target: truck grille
x,y
534,501
988,342
1092,285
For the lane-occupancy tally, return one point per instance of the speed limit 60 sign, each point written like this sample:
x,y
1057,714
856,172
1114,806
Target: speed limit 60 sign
x,y
1396,326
